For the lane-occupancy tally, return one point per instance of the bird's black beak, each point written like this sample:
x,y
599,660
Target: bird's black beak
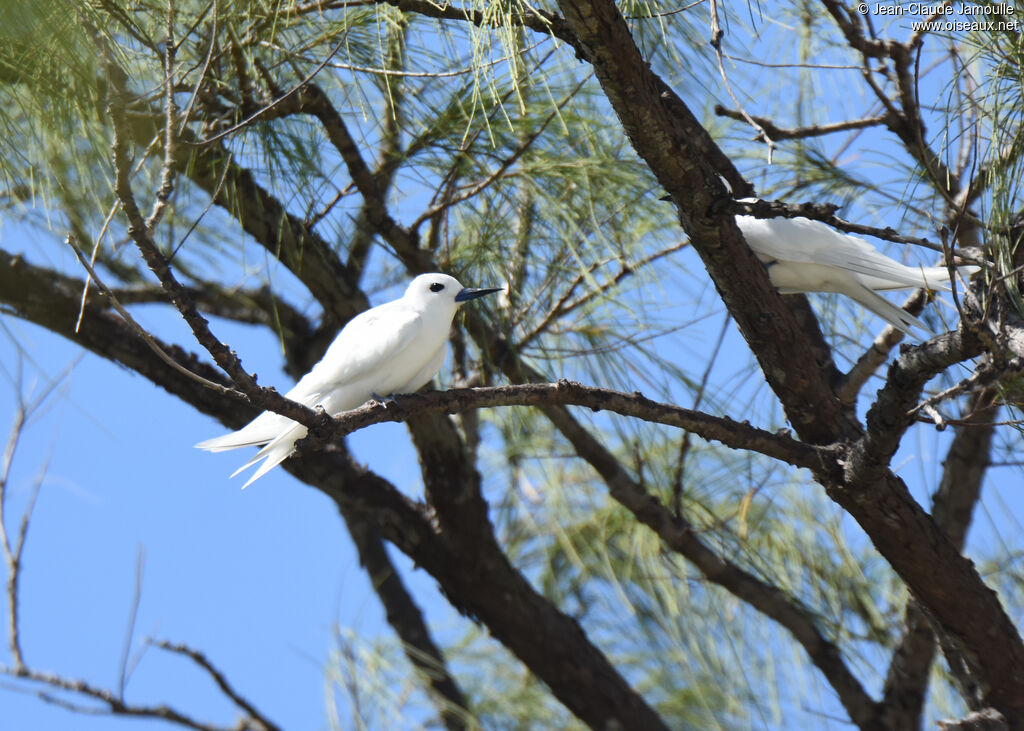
x,y
469,293
665,198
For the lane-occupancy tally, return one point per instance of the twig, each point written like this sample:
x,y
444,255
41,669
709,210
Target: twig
x,y
505,164
142,332
114,705
186,115
140,565
163,193
813,130
564,306
983,375
716,42
221,680
279,100
684,447
12,551
874,356
226,358
92,260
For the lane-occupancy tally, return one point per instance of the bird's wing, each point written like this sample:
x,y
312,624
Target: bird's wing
x,y
812,242
368,342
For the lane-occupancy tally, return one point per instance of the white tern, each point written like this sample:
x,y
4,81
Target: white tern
x,y
393,348
808,256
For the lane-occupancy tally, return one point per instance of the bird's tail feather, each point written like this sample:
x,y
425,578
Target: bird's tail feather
x,y
934,278
279,455
273,453
261,430
895,316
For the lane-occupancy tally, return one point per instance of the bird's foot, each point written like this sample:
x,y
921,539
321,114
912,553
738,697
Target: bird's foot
x,y
385,400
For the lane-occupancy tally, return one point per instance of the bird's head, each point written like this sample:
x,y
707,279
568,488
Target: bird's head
x,y
441,292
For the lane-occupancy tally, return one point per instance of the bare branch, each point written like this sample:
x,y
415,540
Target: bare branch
x,y
112,704
221,680
167,172
814,130
872,358
142,332
731,433
716,42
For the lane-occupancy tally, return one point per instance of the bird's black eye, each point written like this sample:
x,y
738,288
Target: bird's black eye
x,y
436,287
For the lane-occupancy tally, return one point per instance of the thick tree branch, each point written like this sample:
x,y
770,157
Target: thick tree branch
x,y
51,300
554,656
879,501
964,469
892,413
407,621
929,561
550,642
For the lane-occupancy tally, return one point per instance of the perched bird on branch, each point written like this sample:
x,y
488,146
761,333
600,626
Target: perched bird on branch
x,y
809,256
393,348
803,255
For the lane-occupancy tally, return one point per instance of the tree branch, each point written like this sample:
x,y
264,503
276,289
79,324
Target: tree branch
x,y
407,621
906,682
731,433
263,398
551,643
814,130
222,682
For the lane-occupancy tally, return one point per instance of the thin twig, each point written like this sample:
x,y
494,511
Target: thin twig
x,y
716,42
221,680
684,447
133,614
813,130
92,260
114,705
505,164
163,193
279,100
142,332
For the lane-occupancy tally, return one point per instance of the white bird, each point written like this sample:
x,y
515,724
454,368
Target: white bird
x,y
808,256
393,348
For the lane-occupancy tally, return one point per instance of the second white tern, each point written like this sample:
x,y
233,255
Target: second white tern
x,y
393,348
808,256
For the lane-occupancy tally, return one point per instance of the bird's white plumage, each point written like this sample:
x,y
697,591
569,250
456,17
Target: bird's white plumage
x,y
808,256
396,347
